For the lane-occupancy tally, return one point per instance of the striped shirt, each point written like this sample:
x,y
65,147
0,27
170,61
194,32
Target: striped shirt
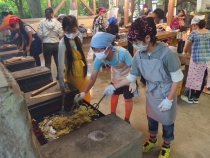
x,y
200,46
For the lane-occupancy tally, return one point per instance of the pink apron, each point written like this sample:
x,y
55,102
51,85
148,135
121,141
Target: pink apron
x,y
195,75
208,77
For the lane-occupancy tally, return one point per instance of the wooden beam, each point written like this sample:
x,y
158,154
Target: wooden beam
x,y
117,3
59,5
126,4
48,3
94,6
83,2
170,11
182,1
132,8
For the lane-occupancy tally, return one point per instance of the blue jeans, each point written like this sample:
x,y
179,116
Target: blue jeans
x,y
168,130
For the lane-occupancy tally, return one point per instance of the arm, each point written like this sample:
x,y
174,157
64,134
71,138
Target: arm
x,y
22,42
173,90
91,81
30,39
40,30
60,31
187,47
61,61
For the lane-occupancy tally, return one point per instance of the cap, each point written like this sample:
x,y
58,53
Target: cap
x,y
102,40
13,20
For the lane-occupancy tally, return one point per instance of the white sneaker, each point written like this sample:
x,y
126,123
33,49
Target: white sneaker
x,y
186,99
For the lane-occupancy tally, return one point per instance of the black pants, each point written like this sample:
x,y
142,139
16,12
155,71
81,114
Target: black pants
x,y
195,93
180,47
37,60
49,50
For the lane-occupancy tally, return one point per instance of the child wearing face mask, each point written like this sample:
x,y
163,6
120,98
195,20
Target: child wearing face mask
x,y
120,61
161,69
29,38
72,66
50,31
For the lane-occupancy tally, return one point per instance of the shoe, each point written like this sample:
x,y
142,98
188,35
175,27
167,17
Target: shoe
x,y
103,66
186,99
195,100
149,145
164,152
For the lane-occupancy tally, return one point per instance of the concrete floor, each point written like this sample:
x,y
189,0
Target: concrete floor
x,y
192,127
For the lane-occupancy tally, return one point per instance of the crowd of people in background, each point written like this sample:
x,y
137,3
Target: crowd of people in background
x,y
62,39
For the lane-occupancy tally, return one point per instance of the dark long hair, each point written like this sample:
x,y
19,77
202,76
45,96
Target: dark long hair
x,y
48,13
110,27
69,22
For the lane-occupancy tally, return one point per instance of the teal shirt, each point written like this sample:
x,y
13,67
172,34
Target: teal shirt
x,y
123,56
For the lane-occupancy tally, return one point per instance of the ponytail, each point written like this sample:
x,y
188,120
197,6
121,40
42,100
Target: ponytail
x,y
48,13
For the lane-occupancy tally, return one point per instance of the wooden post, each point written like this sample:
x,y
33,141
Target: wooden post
x,y
117,3
83,2
75,2
48,3
170,11
126,11
132,8
94,6
58,7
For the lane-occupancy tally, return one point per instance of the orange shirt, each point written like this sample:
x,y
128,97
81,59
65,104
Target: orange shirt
x,y
5,23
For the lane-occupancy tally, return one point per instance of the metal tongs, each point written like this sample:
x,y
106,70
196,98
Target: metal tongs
x,y
96,105
63,112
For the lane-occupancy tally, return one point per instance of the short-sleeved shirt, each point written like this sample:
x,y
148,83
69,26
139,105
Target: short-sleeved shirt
x,y
171,61
29,29
123,56
200,46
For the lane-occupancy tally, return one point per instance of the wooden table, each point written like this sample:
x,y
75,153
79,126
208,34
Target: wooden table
x,y
160,35
185,61
123,30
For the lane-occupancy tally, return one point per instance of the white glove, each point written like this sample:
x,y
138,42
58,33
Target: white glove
x,y
79,97
132,87
109,90
165,104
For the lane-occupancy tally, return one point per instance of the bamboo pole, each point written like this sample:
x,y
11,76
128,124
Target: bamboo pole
x,y
126,4
170,11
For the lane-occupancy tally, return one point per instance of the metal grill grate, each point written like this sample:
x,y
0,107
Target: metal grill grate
x,y
21,65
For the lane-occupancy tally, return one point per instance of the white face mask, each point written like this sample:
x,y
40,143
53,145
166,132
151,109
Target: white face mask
x,y
101,55
140,47
71,35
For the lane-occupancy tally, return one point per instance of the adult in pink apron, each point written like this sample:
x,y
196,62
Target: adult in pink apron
x,y
198,42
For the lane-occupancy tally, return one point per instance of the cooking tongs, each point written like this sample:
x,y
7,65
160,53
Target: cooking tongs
x,y
96,105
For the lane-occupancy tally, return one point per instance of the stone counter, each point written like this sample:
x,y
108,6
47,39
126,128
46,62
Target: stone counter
x,y
107,137
17,139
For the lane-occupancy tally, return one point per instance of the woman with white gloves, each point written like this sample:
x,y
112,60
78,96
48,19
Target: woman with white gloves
x,y
120,61
161,68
